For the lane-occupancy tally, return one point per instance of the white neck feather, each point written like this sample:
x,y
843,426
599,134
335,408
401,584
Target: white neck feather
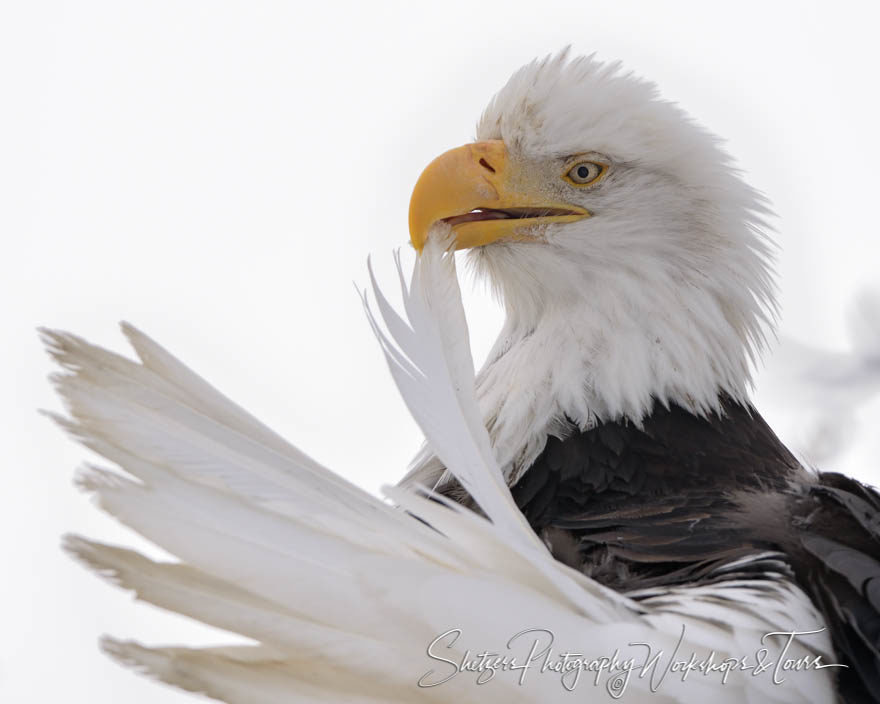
x,y
609,350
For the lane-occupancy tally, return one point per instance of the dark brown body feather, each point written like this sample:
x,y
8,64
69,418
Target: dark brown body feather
x,y
671,502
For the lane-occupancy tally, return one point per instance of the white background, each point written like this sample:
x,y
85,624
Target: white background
x,y
217,173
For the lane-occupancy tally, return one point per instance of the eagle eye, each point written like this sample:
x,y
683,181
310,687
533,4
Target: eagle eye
x,y
585,173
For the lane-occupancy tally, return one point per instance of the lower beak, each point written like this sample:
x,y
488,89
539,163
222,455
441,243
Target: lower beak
x,y
472,189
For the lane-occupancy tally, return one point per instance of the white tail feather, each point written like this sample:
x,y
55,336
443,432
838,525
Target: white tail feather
x,y
341,591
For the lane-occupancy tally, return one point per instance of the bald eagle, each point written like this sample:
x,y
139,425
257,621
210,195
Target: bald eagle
x,y
601,513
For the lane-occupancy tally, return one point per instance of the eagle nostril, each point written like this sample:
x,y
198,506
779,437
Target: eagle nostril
x,y
486,165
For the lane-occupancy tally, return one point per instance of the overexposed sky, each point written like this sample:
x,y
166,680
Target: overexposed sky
x,y
218,172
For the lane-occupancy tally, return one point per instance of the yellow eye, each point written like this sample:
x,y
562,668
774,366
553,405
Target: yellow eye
x,y
585,173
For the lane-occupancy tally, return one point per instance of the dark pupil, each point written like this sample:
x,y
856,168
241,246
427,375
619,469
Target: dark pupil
x,y
583,172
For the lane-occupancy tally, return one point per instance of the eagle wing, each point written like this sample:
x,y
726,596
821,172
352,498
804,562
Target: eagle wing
x,y
681,498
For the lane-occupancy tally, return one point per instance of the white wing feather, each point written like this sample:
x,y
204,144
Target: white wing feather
x,y
341,592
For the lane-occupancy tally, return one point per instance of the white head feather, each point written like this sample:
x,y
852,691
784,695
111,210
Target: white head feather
x,y
662,296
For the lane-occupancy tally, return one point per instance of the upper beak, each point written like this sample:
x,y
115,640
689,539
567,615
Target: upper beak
x,y
476,190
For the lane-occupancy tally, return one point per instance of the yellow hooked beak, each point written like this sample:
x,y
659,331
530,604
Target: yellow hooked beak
x,y
477,191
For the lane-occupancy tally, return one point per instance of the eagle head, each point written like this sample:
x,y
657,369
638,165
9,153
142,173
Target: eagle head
x,y
628,253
